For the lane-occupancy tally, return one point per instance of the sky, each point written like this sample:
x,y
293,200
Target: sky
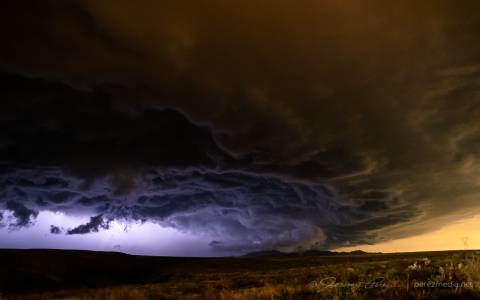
x,y
210,128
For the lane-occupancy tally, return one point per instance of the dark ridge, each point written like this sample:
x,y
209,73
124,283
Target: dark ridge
x,y
267,253
275,253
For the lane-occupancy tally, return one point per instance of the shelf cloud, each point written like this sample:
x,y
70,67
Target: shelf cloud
x,y
265,125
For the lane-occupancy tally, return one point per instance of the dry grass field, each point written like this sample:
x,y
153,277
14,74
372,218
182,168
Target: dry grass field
x,y
50,274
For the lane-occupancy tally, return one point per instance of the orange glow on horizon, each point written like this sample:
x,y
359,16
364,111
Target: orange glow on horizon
x,y
460,235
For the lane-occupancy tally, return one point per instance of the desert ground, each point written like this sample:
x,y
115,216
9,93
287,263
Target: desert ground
x,y
63,274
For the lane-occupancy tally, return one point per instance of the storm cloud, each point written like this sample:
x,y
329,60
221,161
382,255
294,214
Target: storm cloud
x,y
94,225
23,216
55,229
259,125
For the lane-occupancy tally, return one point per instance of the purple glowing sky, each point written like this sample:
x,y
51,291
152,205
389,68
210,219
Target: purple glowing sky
x,y
132,237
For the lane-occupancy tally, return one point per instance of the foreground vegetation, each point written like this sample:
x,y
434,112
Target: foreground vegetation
x,y
428,275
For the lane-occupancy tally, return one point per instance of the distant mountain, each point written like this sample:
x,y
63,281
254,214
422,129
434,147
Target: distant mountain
x,y
276,253
358,252
267,253
317,253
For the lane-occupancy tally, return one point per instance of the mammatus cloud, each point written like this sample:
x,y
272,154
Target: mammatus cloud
x,y
238,211
266,124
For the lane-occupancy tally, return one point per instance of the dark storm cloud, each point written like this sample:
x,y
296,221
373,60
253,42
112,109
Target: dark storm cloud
x,y
84,132
94,225
22,214
55,229
275,123
240,210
